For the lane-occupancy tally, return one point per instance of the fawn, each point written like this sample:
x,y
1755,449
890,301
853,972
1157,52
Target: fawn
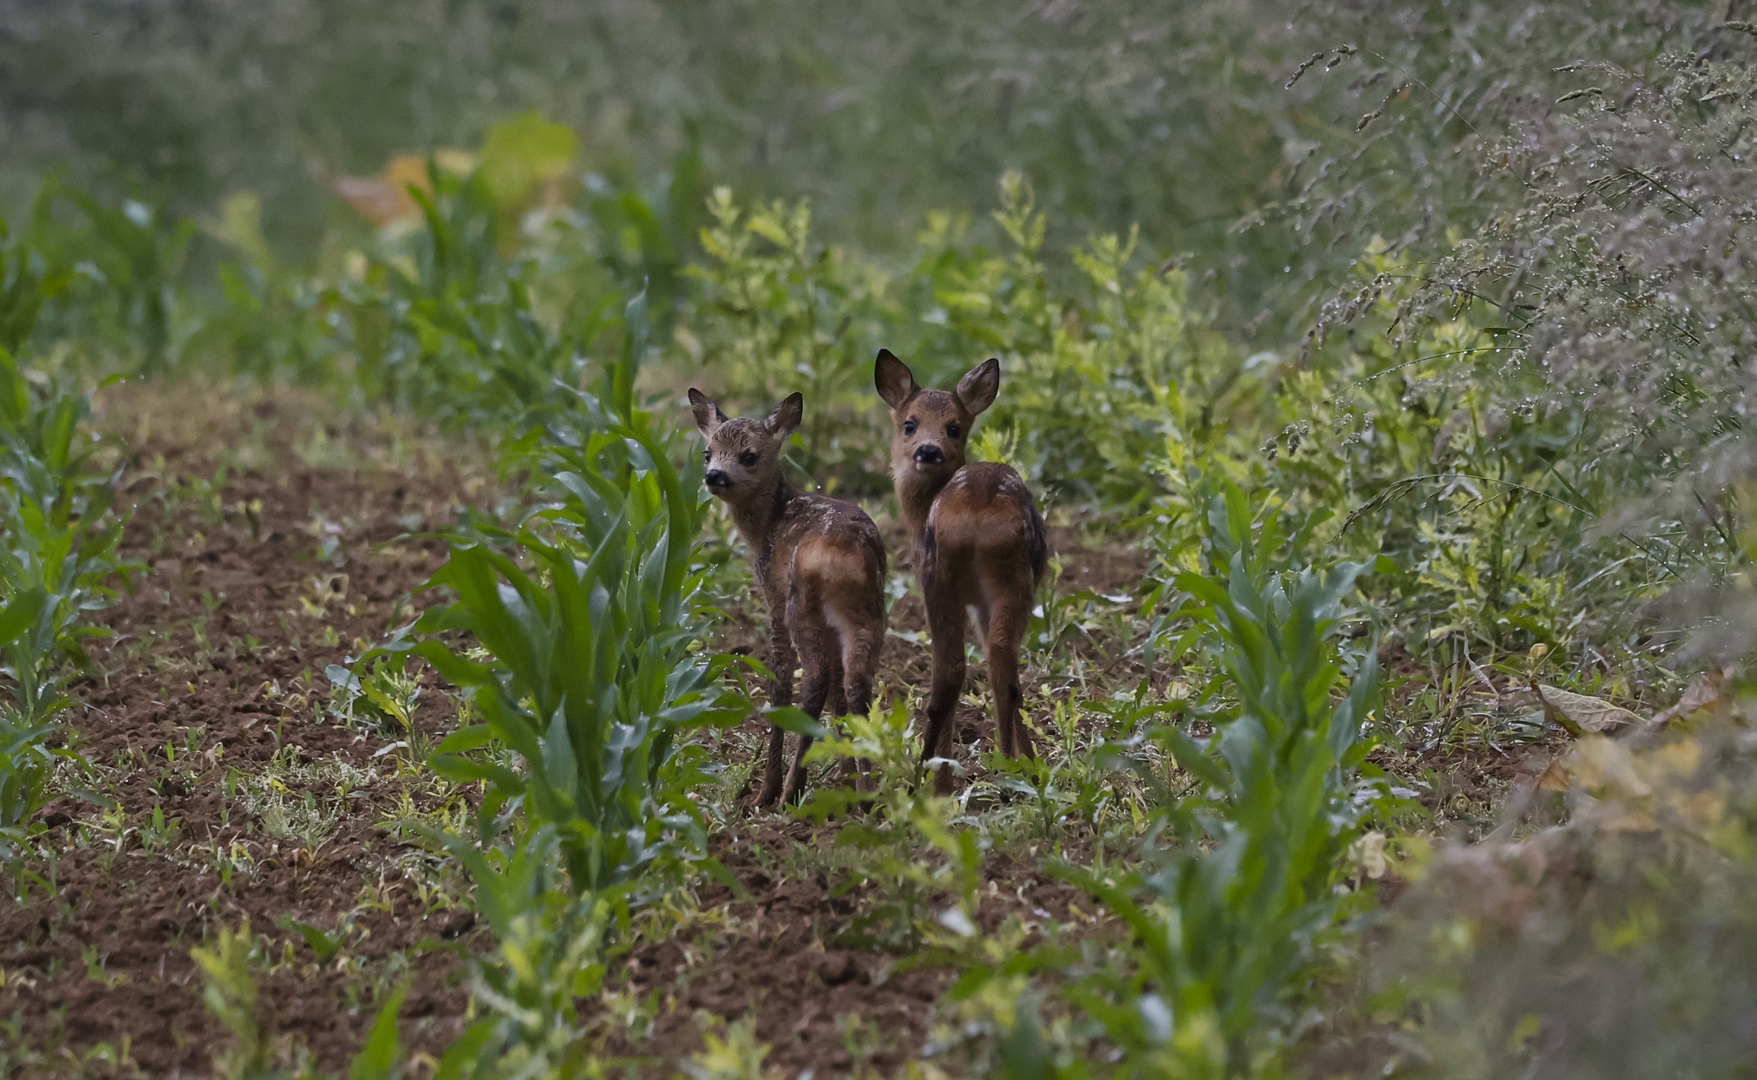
x,y
821,566
981,545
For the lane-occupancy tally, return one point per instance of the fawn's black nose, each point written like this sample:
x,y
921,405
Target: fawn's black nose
x,y
717,479
929,454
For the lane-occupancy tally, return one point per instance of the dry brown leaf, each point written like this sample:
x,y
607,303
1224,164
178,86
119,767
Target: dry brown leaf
x,y
1554,778
385,198
1588,714
1702,693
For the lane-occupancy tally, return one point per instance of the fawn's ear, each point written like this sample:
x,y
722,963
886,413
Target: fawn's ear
x,y
786,416
707,414
976,390
893,379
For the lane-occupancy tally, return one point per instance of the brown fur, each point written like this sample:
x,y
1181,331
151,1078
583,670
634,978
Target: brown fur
x,y
820,564
981,545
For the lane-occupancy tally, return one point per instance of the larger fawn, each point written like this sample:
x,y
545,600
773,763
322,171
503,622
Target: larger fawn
x,y
821,566
981,545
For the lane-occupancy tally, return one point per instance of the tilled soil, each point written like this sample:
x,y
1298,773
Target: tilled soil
x,y
222,786
215,670
819,1003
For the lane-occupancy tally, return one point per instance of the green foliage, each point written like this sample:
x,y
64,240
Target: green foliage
x,y
382,696
549,949
1092,375
268,320
126,264
446,327
379,1058
591,676
1235,888
58,552
781,313
895,826
229,989
60,539
26,283
581,665
1474,325
737,1056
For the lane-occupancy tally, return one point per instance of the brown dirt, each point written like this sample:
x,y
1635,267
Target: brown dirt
x,y
777,957
220,650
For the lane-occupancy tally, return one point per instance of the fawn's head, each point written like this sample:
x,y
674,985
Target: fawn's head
x,y
744,454
931,434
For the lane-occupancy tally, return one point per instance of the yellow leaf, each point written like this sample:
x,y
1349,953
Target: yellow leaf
x,y
241,225
522,153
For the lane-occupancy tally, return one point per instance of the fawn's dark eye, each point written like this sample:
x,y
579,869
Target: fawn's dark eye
x,y
954,430
747,458
707,455
908,427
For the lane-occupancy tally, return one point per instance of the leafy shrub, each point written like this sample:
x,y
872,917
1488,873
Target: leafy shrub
x,y
1621,943
1581,267
1092,403
779,312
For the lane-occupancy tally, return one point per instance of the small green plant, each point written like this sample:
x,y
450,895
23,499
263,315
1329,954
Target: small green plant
x,y
737,1055
909,852
383,697
548,953
229,987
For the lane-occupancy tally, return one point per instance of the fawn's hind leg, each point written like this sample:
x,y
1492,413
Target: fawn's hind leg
x,y
860,651
1006,632
816,646
782,660
946,626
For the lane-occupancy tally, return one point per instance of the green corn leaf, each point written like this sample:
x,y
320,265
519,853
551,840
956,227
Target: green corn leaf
x,y
377,1060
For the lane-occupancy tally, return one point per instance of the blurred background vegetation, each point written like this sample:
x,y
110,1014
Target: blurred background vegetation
x,y
879,113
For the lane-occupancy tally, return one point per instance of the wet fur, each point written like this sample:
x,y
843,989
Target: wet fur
x,y
821,566
982,546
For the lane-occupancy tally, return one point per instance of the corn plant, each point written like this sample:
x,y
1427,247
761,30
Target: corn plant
x,y
591,676
60,538
549,948
124,266
58,550
26,282
1235,889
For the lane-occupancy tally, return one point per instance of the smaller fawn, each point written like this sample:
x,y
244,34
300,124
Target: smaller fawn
x,y
821,566
981,546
